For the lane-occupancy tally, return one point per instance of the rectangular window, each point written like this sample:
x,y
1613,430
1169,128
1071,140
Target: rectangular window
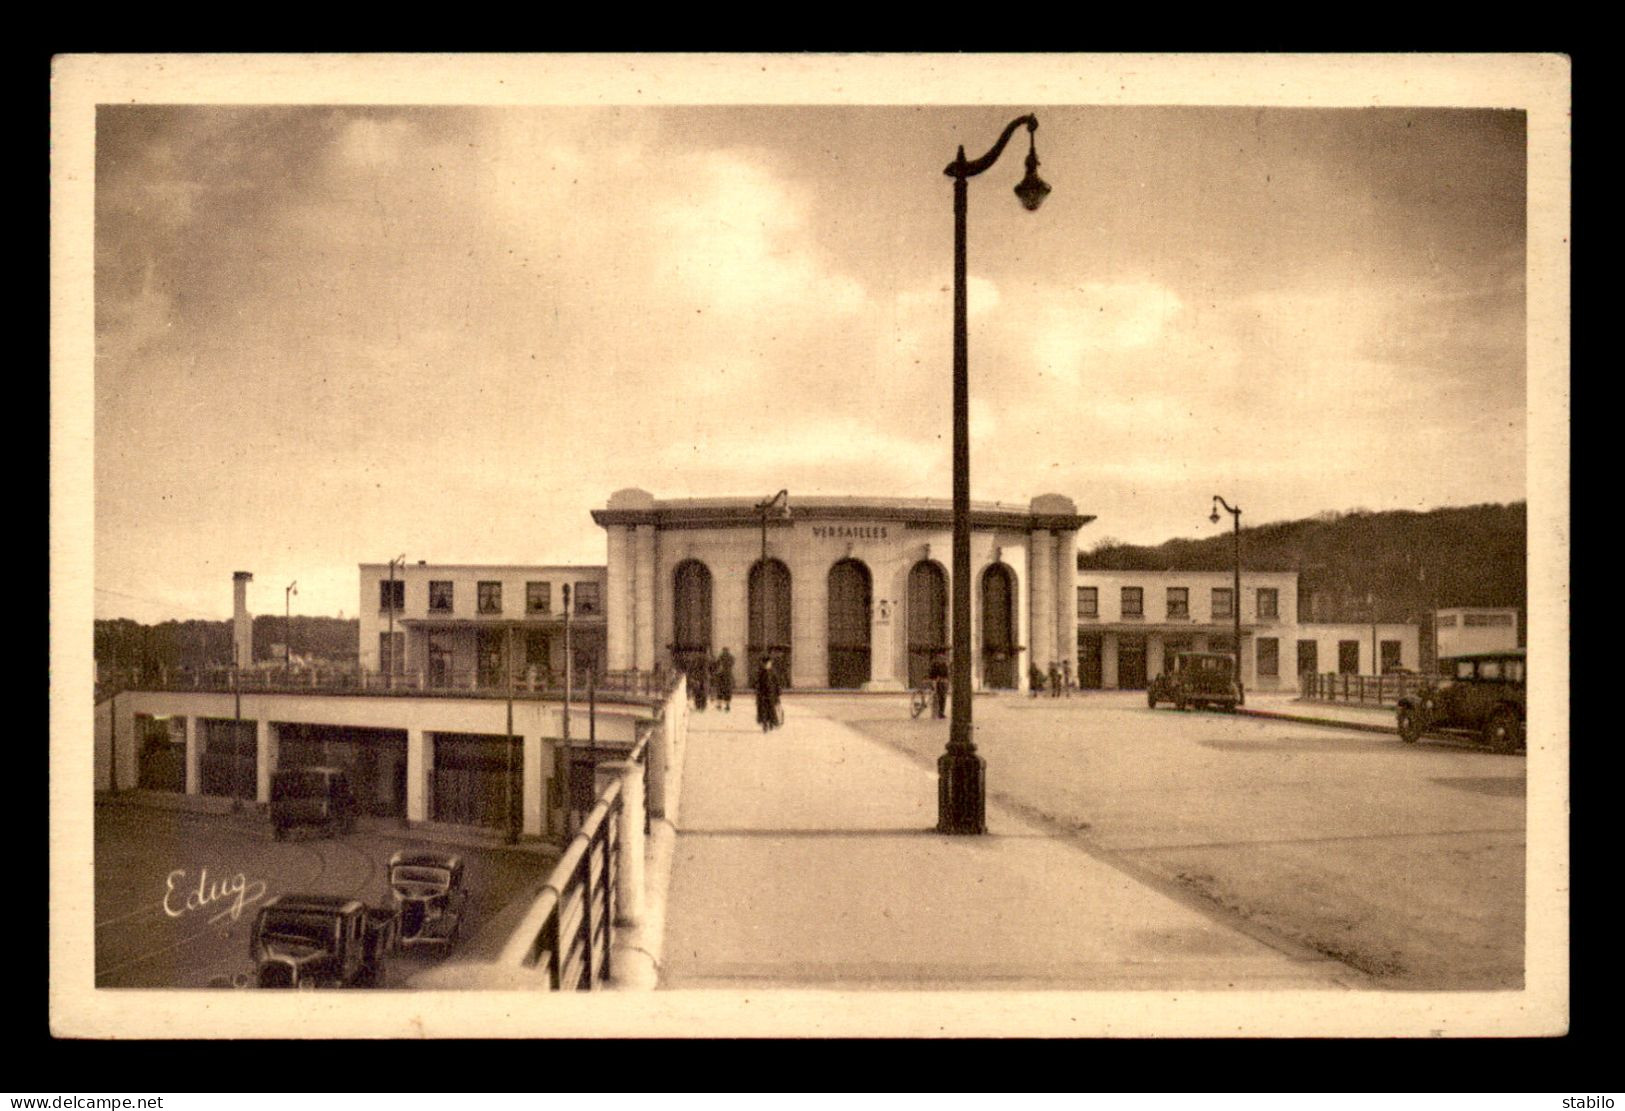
x,y
392,652
1225,645
1179,602
1221,602
1447,621
490,597
1269,657
587,598
440,596
1133,601
538,598
1390,656
1348,657
1269,602
391,595
1308,657
1088,601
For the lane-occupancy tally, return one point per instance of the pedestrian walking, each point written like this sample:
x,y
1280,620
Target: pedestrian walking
x,y
1054,679
1035,680
697,683
1066,677
767,696
939,684
724,684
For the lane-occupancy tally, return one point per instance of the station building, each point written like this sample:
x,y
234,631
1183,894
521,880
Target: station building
x,y
841,592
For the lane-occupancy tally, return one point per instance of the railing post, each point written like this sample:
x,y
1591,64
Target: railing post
x,y
629,863
656,752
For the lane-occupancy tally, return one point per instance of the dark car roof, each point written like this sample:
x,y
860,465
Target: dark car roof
x,y
427,858
1204,655
1505,653
329,903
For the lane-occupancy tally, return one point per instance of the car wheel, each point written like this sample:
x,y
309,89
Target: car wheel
x,y
1410,724
1180,704
1504,732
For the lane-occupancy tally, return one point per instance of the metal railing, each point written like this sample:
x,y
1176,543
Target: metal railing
x,y
1380,690
569,932
530,683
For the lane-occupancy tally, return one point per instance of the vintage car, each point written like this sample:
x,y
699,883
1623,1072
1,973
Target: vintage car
x,y
1197,679
1481,696
429,896
321,941
312,797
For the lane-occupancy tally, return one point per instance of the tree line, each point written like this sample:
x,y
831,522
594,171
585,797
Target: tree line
x,y
1363,566
123,644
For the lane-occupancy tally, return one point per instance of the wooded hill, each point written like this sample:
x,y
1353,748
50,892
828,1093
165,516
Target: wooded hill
x,y
123,644
1409,563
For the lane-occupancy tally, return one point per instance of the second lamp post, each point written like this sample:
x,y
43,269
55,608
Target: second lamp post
x,y
1235,597
961,786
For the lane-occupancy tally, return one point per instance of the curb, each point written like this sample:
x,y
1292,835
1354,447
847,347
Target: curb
x,y
1330,723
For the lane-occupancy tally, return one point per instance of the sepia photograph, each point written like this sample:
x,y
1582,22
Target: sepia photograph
x,y
810,545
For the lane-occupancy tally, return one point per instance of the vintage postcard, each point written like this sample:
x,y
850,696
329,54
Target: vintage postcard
x,y
809,545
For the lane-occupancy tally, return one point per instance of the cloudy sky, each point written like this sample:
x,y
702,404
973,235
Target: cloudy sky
x,y
333,335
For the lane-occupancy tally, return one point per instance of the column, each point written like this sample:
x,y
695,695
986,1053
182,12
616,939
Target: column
x,y
643,598
194,746
1066,596
618,598
263,760
629,887
417,775
536,756
1153,656
1108,661
1041,596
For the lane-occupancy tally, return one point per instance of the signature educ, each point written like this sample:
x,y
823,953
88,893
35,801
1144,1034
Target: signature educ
x,y
182,898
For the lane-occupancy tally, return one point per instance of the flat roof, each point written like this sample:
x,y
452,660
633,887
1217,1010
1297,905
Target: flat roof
x,y
918,512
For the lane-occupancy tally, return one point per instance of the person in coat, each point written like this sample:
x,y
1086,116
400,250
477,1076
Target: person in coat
x,y
697,679
939,684
1054,679
767,696
724,684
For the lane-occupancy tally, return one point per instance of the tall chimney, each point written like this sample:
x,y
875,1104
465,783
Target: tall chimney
x,y
242,625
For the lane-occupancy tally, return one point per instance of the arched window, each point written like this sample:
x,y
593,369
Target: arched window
x,y
850,596
927,618
999,648
691,615
769,617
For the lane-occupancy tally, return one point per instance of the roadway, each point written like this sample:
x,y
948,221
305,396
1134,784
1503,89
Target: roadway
x,y
1402,862
177,891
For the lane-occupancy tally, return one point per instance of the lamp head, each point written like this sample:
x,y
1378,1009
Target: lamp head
x,y
1214,517
1032,190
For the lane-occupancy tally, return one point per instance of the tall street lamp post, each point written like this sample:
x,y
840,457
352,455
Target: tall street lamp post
x,y
765,506
1235,596
961,786
287,630
390,640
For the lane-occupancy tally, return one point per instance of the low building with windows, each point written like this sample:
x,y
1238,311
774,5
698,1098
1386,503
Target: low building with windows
x,y
1358,649
1461,630
461,626
1131,624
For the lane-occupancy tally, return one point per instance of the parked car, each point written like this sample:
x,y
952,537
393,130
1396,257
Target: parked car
x,y
312,797
1481,696
1197,679
429,896
321,941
